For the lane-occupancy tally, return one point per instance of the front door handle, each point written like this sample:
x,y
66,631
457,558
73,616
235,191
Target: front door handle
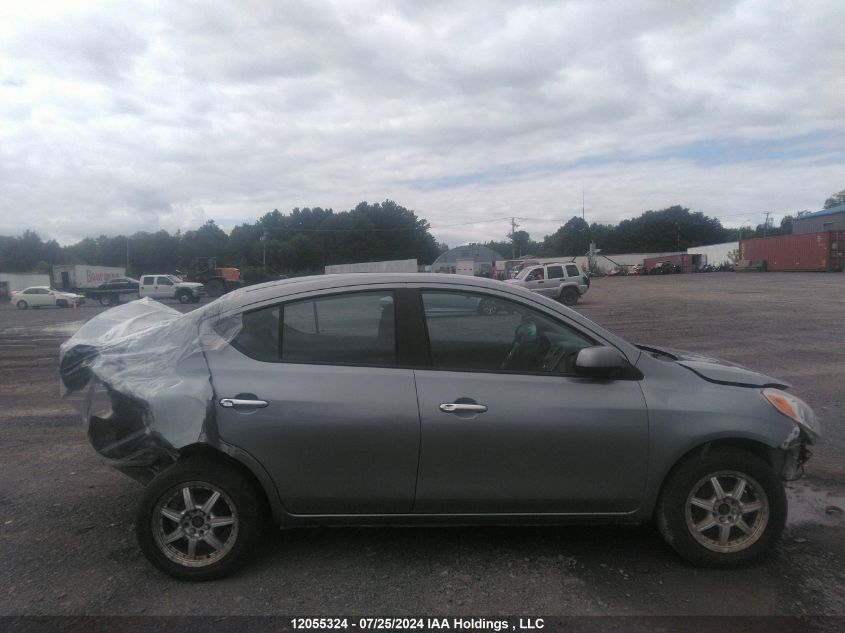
x,y
234,403
456,407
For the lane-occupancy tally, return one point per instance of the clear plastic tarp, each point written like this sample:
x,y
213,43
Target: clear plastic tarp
x,y
139,375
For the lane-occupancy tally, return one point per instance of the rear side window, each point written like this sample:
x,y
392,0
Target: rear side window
x,y
259,335
352,329
148,281
572,270
555,272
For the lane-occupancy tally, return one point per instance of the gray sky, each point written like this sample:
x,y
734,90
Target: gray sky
x,y
117,118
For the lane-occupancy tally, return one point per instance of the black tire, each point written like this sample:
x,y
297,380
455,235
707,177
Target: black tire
x,y
569,296
22,305
184,297
677,519
215,287
62,303
239,499
106,300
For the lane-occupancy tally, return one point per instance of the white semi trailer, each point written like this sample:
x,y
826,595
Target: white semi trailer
x,y
73,277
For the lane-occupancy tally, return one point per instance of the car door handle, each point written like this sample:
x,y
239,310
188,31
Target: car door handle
x,y
454,407
233,403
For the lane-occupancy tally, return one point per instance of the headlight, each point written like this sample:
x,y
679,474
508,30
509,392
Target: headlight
x,y
794,408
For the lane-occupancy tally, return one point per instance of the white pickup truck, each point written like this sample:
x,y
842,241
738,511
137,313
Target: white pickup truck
x,y
170,287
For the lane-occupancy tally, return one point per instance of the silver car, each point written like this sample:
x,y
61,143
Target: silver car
x,y
564,282
348,399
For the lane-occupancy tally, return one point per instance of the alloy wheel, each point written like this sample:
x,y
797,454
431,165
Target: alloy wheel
x,y
727,511
195,524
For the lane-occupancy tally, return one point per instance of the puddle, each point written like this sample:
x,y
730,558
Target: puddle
x,y
68,328
813,504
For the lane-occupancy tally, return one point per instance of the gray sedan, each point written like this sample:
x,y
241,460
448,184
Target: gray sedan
x,y
398,398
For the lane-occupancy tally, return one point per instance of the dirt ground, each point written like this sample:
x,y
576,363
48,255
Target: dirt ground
x,y
67,546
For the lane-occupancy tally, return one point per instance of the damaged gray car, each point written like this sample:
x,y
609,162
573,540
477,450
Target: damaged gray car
x,y
364,399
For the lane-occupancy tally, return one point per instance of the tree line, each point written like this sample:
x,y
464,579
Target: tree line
x,y
307,239
673,229
302,241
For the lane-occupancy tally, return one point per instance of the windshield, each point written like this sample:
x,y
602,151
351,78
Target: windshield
x,y
524,273
174,279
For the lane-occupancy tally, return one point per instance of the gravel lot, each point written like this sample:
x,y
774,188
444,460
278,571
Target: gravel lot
x,y
67,547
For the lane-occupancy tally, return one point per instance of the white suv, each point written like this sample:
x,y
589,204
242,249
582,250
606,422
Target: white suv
x,y
170,287
564,282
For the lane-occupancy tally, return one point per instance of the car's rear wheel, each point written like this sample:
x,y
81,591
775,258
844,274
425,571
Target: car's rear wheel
x,y
106,300
199,519
22,305
723,509
569,296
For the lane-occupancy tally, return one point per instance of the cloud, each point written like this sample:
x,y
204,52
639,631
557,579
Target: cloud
x,y
118,117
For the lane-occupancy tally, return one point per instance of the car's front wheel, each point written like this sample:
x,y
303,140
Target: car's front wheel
x,y
184,297
723,509
199,519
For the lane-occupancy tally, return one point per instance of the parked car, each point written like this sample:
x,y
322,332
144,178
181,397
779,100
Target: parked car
x,y
357,399
564,282
121,284
170,287
41,296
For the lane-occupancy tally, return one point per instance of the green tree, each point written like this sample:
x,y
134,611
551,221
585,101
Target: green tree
x,y
835,200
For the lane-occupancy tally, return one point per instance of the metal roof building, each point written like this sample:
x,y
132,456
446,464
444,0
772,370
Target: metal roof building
x,y
475,252
832,219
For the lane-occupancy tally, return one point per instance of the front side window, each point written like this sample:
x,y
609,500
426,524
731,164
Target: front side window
x,y
164,281
497,335
535,274
572,270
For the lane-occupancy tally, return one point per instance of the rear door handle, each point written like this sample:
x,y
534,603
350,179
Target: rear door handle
x,y
234,403
454,407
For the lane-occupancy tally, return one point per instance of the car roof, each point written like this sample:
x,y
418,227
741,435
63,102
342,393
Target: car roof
x,y
246,297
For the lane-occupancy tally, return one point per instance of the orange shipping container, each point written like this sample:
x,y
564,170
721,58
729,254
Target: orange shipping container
x,y
798,253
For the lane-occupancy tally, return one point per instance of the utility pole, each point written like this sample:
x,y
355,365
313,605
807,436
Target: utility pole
x,y
127,255
582,203
766,224
513,237
263,239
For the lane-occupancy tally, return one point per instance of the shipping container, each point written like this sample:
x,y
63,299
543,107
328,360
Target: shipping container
x,y
688,263
808,252
84,277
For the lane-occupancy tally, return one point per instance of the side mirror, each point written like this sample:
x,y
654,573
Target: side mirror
x,y
599,361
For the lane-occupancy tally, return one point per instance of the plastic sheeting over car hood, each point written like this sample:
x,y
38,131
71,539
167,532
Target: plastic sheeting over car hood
x,y
140,376
718,371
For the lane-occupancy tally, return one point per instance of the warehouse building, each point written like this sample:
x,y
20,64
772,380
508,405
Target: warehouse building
x,y
832,219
